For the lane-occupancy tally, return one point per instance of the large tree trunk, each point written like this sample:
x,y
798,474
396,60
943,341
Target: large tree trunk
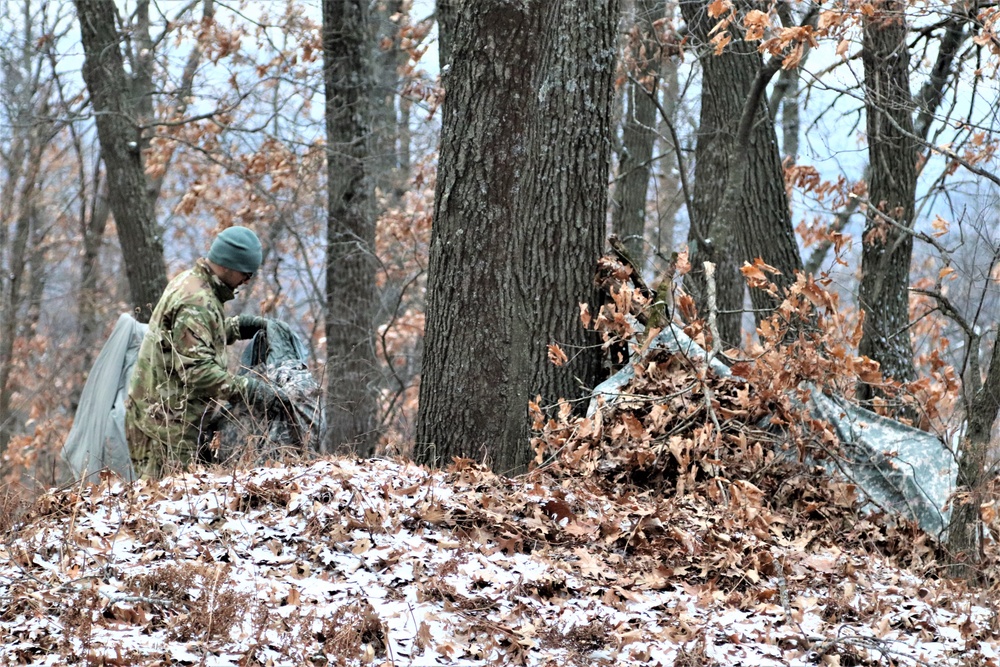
x,y
741,208
121,142
351,373
892,156
518,221
564,207
639,130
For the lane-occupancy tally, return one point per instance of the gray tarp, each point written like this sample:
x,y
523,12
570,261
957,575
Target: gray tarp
x,y
894,466
97,439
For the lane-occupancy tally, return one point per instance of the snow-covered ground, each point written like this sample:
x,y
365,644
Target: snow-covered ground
x,y
351,562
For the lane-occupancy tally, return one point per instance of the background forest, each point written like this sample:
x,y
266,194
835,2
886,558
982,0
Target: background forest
x,y
434,184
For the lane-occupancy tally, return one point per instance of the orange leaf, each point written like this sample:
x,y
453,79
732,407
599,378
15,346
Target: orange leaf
x,y
716,9
556,355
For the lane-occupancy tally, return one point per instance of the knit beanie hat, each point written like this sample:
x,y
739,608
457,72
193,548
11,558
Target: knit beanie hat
x,y
236,248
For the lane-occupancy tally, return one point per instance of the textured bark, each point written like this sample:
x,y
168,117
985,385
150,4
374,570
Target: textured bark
x,y
518,221
390,179
565,201
928,100
447,14
120,138
965,530
892,156
351,372
639,131
740,206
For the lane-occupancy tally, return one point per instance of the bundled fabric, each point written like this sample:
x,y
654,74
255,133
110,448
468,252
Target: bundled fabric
x,y
276,355
97,439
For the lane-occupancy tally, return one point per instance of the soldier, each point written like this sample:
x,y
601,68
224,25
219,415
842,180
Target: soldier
x,y
181,370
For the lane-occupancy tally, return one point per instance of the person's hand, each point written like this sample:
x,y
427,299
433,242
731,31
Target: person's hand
x,y
250,325
262,396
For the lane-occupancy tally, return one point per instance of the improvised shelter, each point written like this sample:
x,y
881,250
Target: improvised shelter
x,y
895,467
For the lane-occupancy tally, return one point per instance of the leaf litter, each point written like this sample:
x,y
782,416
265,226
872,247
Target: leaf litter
x,y
678,526
348,562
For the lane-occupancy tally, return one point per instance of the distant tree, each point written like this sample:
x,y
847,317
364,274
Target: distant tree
x,y
26,131
887,244
518,222
117,113
639,128
740,205
351,374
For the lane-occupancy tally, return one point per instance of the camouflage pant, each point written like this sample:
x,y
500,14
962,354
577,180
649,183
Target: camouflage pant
x,y
153,458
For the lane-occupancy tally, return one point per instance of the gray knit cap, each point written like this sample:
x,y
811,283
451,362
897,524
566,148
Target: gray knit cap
x,y
236,248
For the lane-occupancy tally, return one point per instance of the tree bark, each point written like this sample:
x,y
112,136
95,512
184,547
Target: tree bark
x,y
447,14
390,179
892,156
121,141
740,206
565,205
964,531
518,222
639,131
351,372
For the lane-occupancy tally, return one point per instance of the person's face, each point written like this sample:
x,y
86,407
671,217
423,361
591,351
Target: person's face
x,y
235,279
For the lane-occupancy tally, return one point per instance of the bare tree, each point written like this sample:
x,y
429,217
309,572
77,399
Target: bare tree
x,y
116,109
25,100
351,373
639,131
740,206
892,158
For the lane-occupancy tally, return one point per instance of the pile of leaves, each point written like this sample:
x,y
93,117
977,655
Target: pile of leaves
x,y
382,562
680,432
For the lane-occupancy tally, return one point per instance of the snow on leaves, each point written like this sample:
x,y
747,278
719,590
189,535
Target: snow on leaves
x,y
378,562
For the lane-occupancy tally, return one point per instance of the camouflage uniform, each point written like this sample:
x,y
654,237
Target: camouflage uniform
x,y
181,370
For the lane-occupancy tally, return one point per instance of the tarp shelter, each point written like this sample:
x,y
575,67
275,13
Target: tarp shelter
x,y
895,467
97,439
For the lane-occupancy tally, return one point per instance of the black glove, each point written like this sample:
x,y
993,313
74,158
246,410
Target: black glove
x,y
250,324
265,397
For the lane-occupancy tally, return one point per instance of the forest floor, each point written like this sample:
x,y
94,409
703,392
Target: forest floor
x,y
343,561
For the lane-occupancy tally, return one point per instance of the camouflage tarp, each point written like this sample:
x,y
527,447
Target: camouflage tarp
x,y
242,438
894,466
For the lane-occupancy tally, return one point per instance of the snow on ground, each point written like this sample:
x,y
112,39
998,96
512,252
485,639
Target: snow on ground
x,y
381,562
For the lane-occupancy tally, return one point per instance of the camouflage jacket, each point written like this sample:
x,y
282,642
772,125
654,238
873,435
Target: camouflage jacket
x,y
181,369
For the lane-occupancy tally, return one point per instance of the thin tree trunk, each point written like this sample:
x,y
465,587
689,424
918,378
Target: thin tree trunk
x,y
639,131
669,189
964,531
351,373
117,129
389,58
892,156
92,226
447,14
